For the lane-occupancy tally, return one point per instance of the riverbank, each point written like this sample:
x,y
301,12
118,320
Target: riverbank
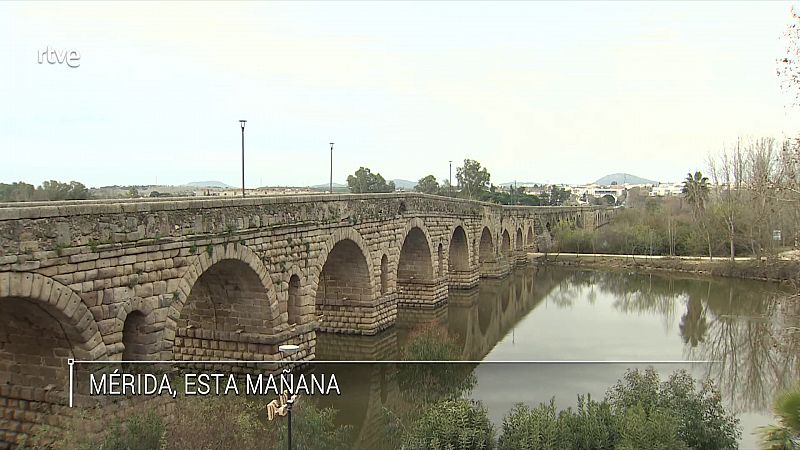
x,y
780,270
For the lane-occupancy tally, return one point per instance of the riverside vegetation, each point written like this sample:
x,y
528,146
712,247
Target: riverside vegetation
x,y
640,411
749,207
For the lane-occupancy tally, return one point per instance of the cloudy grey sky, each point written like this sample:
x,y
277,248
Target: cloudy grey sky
x,y
535,91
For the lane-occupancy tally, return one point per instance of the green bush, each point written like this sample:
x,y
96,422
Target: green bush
x,y
218,422
657,430
591,426
526,428
638,412
139,432
702,420
314,428
240,422
452,425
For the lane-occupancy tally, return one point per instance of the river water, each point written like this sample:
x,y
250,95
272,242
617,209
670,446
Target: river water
x,y
576,332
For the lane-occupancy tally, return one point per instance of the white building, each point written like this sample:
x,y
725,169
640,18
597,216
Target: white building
x,y
667,190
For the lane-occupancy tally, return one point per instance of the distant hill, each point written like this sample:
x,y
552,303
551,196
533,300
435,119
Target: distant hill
x,y
327,185
208,184
398,183
404,184
622,178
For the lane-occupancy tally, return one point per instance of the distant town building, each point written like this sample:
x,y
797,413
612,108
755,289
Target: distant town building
x,y
667,190
233,192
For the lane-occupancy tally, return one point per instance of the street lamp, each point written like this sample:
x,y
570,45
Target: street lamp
x,y
514,193
242,123
330,188
450,180
287,350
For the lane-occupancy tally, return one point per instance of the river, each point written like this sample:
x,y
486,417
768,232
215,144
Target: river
x,y
577,332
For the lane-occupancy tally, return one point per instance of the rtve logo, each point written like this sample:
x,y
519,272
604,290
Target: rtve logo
x,y
71,58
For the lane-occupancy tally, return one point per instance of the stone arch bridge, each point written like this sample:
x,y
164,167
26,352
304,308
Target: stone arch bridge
x,y
209,279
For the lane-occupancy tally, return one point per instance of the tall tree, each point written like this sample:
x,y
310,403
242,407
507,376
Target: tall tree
x,y
760,178
472,178
789,64
696,189
557,196
728,172
427,185
16,192
446,189
77,191
364,181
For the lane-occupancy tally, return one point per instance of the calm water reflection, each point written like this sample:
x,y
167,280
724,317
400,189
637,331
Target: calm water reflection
x,y
574,315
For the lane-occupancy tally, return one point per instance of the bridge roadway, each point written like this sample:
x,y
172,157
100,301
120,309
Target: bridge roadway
x,y
208,278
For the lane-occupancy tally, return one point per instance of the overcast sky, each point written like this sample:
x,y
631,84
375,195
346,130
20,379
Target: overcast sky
x,y
534,91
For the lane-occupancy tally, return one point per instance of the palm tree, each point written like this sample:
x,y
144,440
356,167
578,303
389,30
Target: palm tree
x,y
696,189
693,324
786,435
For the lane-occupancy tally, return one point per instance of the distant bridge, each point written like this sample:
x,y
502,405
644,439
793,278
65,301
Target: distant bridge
x,y
209,279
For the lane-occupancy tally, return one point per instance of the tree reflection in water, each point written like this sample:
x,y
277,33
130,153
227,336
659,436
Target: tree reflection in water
x,y
749,329
693,323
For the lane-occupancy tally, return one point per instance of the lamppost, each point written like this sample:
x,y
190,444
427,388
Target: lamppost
x,y
450,179
330,187
287,350
514,193
242,123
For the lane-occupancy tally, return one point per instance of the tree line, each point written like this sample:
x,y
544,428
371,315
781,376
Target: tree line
x,y
47,191
749,205
473,182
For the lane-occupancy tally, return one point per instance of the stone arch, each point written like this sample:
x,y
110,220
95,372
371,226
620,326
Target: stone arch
x,y
458,250
217,263
486,251
142,334
384,274
137,345
296,296
44,323
62,304
505,246
230,297
416,253
341,234
344,280
345,275
518,244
